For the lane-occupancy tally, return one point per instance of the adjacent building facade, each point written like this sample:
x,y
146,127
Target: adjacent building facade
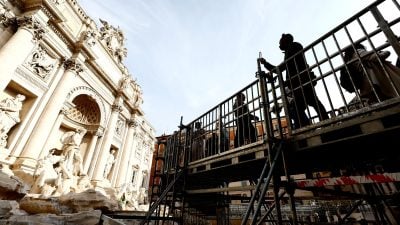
x,y
70,111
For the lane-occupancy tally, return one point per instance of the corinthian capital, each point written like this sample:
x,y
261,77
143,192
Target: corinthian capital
x,y
7,17
116,108
133,123
100,132
71,64
31,24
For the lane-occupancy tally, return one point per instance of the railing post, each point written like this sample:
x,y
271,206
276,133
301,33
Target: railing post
x,y
264,104
269,133
382,23
219,119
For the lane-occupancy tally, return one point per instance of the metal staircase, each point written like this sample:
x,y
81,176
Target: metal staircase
x,y
168,204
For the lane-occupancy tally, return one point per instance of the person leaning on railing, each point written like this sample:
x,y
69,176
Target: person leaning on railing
x,y
298,82
383,80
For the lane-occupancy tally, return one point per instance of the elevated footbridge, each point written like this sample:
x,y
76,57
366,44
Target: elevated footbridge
x,y
245,162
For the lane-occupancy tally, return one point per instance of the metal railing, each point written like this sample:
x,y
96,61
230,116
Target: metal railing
x,y
248,118
235,123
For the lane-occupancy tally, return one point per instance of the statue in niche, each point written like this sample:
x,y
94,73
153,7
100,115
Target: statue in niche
x,y
73,160
142,197
109,164
9,116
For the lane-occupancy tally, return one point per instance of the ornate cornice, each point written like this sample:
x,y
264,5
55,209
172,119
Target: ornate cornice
x,y
77,8
60,35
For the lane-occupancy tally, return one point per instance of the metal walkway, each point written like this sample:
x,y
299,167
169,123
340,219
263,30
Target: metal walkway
x,y
224,167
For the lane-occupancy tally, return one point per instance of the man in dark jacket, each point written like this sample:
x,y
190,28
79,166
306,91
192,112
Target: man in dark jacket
x,y
299,82
246,133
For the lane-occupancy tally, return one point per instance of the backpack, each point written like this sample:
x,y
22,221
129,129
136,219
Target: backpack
x,y
345,81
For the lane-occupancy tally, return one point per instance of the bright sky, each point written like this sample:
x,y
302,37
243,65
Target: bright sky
x,y
190,55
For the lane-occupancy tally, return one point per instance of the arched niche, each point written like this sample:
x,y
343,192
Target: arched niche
x,y
85,111
79,95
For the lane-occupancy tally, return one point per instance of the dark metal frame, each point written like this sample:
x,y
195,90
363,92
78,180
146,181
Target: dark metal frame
x,y
188,150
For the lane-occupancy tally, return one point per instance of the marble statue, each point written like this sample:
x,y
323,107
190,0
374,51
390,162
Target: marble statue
x,y
73,160
9,116
47,173
142,196
128,197
109,164
64,180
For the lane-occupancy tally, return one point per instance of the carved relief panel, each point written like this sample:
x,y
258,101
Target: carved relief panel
x,y
119,128
41,63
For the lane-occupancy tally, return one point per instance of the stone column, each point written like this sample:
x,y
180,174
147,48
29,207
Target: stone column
x,y
54,129
20,45
108,136
49,115
125,157
92,147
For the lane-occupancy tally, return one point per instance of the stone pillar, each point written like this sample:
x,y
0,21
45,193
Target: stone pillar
x,y
125,157
20,45
108,136
49,115
54,129
92,147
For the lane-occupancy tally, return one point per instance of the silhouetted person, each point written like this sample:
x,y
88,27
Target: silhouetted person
x,y
351,77
382,74
245,131
215,144
198,147
298,82
224,144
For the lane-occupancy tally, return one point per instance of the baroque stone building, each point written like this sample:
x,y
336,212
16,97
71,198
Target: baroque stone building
x,y
70,111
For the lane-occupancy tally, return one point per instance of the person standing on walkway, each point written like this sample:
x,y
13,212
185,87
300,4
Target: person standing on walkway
x,y
299,82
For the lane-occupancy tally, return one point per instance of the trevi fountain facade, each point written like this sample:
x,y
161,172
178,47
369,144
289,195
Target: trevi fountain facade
x,y
73,136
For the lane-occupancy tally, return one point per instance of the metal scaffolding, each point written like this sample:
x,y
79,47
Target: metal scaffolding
x,y
244,161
